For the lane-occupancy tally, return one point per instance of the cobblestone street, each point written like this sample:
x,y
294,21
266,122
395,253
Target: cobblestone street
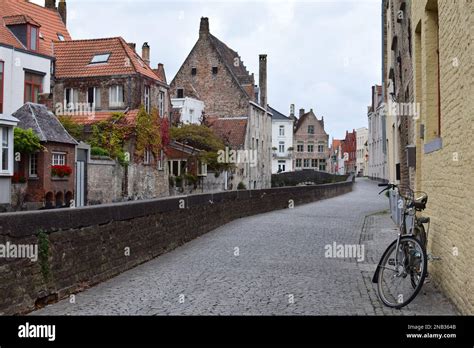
x,y
279,268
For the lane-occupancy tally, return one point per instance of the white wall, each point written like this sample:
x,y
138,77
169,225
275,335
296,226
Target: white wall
x,y
14,76
276,139
377,158
362,138
191,109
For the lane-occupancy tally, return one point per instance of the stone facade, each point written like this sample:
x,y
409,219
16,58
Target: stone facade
x,y
310,143
137,181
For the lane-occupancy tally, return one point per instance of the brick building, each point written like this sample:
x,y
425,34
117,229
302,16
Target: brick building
x,y
216,75
27,31
43,186
99,77
310,142
349,149
439,43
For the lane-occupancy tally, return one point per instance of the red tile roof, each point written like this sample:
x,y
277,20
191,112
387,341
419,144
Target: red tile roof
x,y
49,19
231,130
20,19
98,116
73,59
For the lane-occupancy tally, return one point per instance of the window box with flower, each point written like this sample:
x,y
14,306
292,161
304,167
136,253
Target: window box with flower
x,y
61,171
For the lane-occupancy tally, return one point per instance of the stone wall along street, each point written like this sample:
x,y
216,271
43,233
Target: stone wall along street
x,y
83,246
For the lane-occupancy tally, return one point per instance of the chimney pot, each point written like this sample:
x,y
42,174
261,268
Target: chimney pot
x,y
301,112
62,9
204,27
50,4
132,45
146,53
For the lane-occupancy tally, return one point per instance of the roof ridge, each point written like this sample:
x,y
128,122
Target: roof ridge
x,y
36,121
129,51
84,40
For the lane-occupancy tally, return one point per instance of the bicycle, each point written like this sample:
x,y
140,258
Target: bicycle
x,y
402,270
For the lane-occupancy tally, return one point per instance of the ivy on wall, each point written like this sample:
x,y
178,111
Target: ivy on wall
x,y
148,133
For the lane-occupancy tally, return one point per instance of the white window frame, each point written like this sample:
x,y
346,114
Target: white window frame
x,y
281,147
97,98
73,98
54,158
160,161
310,149
147,156
116,96
30,165
202,168
281,131
147,99
9,147
161,103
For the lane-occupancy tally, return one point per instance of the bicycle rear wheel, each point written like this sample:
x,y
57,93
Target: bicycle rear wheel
x,y
398,268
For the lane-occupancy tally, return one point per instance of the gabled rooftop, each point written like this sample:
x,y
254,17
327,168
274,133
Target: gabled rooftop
x,y
74,59
43,123
18,12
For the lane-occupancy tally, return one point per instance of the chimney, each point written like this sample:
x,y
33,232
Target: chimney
x,y
146,53
50,4
263,80
322,121
62,9
132,45
204,27
301,112
292,110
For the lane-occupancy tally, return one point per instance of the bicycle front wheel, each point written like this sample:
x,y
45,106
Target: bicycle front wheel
x,y
398,267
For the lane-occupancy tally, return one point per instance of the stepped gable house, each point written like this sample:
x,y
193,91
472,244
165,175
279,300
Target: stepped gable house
x,y
216,75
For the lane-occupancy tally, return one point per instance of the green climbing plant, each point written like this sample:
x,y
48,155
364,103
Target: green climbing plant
x,y
26,141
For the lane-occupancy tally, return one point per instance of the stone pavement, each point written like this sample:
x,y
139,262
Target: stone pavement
x,y
269,264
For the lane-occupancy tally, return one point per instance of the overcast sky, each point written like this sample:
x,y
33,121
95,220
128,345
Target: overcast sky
x,y
323,55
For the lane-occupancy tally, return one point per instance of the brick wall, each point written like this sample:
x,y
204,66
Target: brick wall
x,y
88,245
448,182
220,93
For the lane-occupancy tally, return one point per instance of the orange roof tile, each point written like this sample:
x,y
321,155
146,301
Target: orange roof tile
x,y
98,116
49,20
231,130
73,59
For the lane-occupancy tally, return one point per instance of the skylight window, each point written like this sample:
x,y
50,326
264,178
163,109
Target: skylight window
x,y
61,37
100,58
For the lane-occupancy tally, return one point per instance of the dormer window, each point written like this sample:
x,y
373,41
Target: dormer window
x,y
100,58
61,37
33,38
